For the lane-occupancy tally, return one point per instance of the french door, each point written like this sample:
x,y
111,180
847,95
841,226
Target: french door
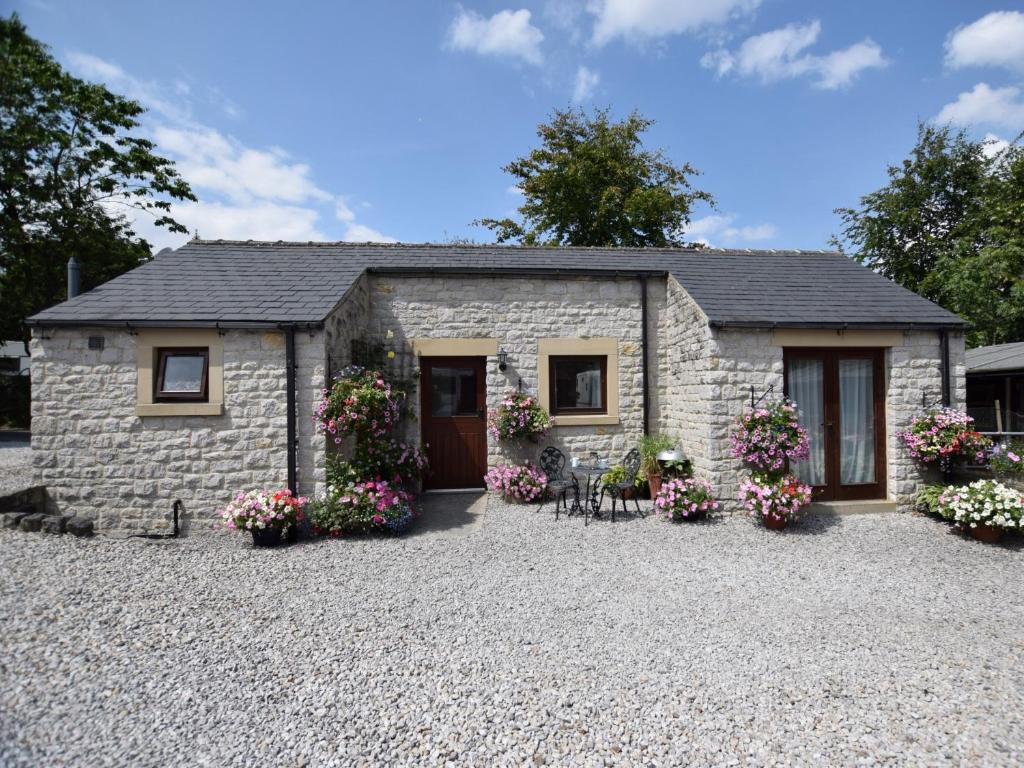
x,y
453,412
840,395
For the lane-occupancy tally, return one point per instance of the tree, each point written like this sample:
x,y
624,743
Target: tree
x,y
592,183
69,166
948,226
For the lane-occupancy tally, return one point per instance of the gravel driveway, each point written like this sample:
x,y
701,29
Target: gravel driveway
x,y
860,640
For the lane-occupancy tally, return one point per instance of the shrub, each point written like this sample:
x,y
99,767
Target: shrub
x,y
362,507
360,403
942,436
1007,460
770,495
984,502
519,482
519,416
397,462
263,509
685,499
767,436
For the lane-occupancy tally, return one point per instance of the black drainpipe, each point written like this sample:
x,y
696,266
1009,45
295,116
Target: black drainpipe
x,y
944,342
293,442
643,350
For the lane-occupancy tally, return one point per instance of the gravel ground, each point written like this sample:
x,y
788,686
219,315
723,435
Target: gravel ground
x,y
860,640
15,467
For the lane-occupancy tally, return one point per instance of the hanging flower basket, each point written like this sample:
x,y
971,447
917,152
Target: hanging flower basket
x,y
943,437
361,403
769,435
519,417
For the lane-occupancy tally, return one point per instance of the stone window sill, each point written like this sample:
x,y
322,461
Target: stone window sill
x,y
179,409
585,420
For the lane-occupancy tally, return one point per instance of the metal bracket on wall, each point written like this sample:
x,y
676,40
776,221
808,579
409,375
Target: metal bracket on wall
x,y
753,402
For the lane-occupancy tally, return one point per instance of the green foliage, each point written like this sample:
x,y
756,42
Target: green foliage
x,y
950,226
591,182
650,446
928,498
68,163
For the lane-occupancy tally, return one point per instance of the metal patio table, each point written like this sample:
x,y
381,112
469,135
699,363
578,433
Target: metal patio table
x,y
589,501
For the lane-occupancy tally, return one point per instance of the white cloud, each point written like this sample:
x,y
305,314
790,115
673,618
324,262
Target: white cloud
x,y
214,162
360,233
719,228
245,192
586,81
993,145
642,19
506,33
781,55
984,105
994,40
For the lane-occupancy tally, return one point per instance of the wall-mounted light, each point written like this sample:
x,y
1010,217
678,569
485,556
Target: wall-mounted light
x,y
502,359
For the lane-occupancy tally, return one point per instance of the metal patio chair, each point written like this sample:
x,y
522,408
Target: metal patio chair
x,y
552,463
618,490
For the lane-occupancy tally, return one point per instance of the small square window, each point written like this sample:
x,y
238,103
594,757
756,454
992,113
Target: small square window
x,y
182,374
579,384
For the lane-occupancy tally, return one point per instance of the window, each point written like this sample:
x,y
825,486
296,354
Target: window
x,y
182,374
579,384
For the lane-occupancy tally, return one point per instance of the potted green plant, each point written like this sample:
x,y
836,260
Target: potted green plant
x,y
617,474
650,447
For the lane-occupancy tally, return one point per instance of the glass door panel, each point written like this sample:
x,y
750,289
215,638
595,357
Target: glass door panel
x,y
856,422
807,390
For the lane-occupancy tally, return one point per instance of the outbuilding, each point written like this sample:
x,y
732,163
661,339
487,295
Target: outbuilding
x,y
196,375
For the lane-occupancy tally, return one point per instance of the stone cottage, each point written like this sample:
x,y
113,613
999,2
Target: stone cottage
x,y
196,374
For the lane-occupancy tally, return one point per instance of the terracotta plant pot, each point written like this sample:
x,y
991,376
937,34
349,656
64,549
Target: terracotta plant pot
x,y
629,493
986,533
655,482
266,537
775,522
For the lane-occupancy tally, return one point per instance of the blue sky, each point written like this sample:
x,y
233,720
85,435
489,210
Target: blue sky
x,y
392,120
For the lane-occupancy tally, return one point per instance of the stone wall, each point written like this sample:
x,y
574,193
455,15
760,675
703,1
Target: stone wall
x,y
740,359
518,312
99,460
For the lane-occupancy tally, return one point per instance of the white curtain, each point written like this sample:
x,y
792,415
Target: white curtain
x,y
857,422
806,389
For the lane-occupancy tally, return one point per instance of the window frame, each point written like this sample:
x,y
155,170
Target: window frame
x,y
553,360
162,396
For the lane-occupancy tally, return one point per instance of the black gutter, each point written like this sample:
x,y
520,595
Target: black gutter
x,y
227,325
643,351
290,375
834,326
944,367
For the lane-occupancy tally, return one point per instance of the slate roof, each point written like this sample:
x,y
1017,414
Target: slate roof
x,y
996,358
231,282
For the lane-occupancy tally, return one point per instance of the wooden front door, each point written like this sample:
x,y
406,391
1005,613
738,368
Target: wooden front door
x,y
453,410
840,394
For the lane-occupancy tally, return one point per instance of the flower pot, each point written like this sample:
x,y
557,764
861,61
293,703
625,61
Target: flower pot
x,y
655,482
986,533
775,522
266,537
629,493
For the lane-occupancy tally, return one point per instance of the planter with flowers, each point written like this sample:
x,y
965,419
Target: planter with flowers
x,y
774,499
519,417
517,482
685,499
984,508
267,515
944,437
766,439
362,507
